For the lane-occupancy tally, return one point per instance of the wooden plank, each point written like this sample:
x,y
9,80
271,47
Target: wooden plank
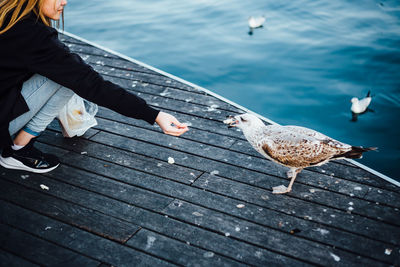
x,y
209,127
326,216
174,229
72,238
156,79
96,56
68,39
121,188
40,251
264,237
358,175
55,126
84,49
78,216
149,182
145,165
192,134
8,259
310,230
176,251
382,196
169,92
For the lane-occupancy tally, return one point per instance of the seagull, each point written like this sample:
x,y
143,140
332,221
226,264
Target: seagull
x,y
360,106
256,22
295,147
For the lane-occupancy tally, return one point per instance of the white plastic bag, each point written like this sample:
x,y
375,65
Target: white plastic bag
x,y
77,116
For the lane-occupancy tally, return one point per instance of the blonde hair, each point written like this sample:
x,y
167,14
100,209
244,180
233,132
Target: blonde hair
x,y
19,9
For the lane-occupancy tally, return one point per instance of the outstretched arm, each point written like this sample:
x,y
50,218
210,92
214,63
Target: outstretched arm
x,y
170,125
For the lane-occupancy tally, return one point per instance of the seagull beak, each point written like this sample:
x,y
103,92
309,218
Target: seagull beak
x,y
231,121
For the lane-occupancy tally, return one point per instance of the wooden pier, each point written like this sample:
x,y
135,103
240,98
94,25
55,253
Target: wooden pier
x,y
116,201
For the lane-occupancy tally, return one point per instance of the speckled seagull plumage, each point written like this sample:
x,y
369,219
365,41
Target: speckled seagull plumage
x,y
292,146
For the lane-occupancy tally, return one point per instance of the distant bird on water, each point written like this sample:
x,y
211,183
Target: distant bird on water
x,y
360,106
256,22
292,146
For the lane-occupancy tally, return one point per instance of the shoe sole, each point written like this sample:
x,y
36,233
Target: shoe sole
x,y
10,163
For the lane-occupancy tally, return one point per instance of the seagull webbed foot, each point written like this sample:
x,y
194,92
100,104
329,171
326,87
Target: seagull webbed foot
x,y
281,189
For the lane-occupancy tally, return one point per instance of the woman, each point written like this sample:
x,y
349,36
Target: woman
x,y
38,75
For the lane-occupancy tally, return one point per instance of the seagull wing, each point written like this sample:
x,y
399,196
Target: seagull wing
x,y
301,147
318,136
364,103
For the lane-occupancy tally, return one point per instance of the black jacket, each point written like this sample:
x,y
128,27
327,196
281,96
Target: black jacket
x,y
31,47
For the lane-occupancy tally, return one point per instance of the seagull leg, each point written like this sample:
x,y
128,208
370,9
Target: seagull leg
x,y
281,189
290,172
295,172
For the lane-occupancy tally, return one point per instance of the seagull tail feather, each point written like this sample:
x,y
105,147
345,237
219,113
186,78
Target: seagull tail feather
x,y
369,93
356,152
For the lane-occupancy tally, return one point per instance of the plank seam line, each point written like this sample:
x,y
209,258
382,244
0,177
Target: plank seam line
x,y
384,177
201,174
132,235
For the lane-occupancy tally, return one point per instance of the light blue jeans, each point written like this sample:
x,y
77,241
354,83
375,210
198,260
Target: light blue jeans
x,y
44,98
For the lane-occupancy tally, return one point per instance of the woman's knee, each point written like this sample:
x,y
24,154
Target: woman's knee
x,y
33,85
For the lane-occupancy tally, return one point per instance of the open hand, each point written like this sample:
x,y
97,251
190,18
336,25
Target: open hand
x,y
170,125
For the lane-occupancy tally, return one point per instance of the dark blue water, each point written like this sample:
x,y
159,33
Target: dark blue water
x,y
302,68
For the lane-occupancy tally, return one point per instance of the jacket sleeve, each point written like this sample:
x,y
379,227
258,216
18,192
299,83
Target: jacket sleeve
x,y
47,56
